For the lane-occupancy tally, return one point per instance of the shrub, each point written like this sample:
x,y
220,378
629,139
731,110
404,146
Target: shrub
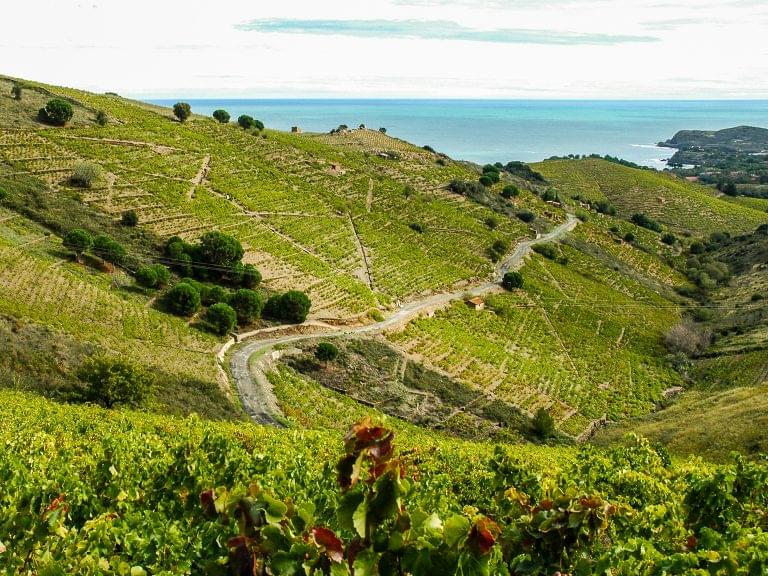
x,y
669,239
162,273
486,181
108,249
85,174
248,305
183,299
16,91
326,352
416,227
57,112
605,207
543,424
510,191
383,130
146,276
221,115
182,111
492,222
251,276
550,195
220,250
466,188
293,306
697,248
101,118
645,221
246,121
221,317
497,250
78,240
688,338
582,215
526,216
214,295
629,237
129,218
111,381
548,250
512,280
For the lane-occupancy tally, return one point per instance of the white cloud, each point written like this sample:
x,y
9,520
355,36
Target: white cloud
x,y
154,48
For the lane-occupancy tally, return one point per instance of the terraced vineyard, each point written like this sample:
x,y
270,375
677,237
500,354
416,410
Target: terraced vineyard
x,y
581,341
679,204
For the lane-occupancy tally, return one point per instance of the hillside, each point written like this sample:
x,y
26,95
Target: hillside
x,y
738,139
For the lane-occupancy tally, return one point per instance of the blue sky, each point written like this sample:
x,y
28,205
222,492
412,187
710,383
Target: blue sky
x,y
394,48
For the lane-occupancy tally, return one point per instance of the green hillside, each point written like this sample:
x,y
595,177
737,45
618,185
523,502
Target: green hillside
x,y
680,205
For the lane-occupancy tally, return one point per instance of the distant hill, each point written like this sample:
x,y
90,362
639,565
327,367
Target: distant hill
x,y
738,139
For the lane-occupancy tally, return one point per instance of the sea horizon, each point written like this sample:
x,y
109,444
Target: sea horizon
x,y
499,130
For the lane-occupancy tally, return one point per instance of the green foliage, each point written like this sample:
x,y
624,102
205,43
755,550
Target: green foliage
x,y
78,240
326,352
113,381
292,306
669,239
57,112
85,174
101,118
16,91
220,250
129,218
645,221
182,111
183,299
248,304
510,191
247,122
543,424
526,216
416,227
109,249
221,115
146,276
548,250
512,280
221,317
498,249
492,222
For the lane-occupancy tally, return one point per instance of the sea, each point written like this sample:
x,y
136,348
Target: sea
x,y
487,131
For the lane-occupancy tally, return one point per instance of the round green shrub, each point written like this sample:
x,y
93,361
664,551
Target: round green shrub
x,y
57,112
183,299
221,317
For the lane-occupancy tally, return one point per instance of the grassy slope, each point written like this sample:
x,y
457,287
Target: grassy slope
x,y
681,205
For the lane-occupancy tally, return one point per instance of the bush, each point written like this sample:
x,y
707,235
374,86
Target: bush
x,y
16,91
526,216
108,249
669,239
543,424
629,237
510,191
85,174
183,299
697,248
182,111
57,112
146,276
492,222
293,306
486,181
497,250
248,305
221,115
548,250
550,195
221,317
688,338
512,280
383,130
416,227
220,250
162,273
466,188
78,240
214,295
582,215
605,207
111,381
246,121
326,352
129,218
101,118
251,276
645,221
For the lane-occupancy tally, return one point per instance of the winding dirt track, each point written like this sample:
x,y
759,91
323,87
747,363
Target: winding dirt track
x,y
254,388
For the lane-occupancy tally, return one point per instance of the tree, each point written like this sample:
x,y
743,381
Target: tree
x,y
57,112
129,218
16,91
687,337
526,216
78,240
510,191
182,111
146,276
486,181
293,306
109,249
214,295
251,276
669,239
512,280
645,221
221,115
221,317
110,381
248,304
162,273
246,121
543,424
383,130
101,118
183,299
85,174
326,352
220,250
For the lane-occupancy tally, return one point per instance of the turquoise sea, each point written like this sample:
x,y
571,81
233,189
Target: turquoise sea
x,y
502,130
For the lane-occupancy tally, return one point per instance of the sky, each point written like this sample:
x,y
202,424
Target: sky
x,y
548,49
